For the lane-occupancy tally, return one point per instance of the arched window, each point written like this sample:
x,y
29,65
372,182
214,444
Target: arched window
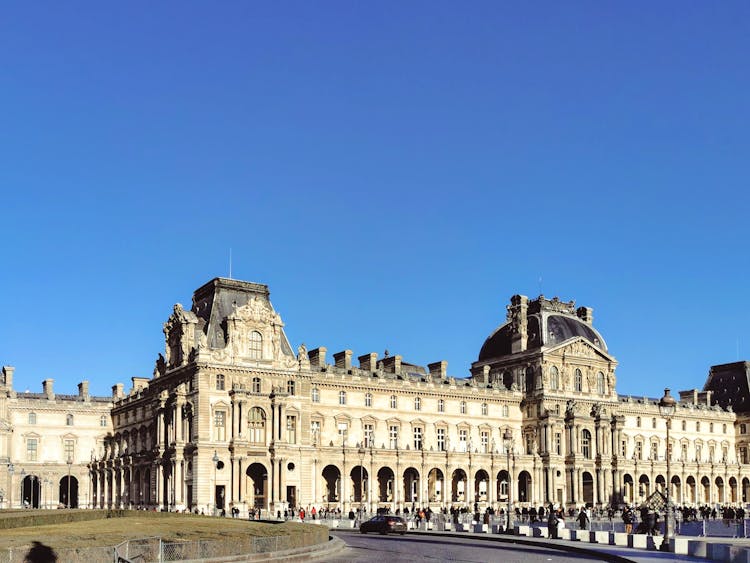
x,y
578,381
256,384
256,345
600,383
69,420
368,399
417,404
290,386
586,444
441,405
315,395
220,382
342,397
32,418
393,401
463,407
256,425
554,378
484,409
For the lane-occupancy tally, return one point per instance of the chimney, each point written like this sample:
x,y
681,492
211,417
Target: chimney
x,y
368,362
7,379
518,317
392,364
117,391
48,388
438,369
318,357
83,390
586,314
343,359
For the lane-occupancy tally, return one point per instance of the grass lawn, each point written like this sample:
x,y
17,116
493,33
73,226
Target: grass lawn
x,y
170,527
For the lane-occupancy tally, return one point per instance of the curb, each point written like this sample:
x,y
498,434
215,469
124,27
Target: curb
x,y
602,555
309,553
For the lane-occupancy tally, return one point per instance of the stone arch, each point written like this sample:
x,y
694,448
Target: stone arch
x,y
587,481
68,491
706,485
628,488
502,485
435,485
258,475
676,489
644,487
31,491
692,490
458,486
386,478
411,485
732,490
332,478
720,490
524,487
359,480
745,489
481,486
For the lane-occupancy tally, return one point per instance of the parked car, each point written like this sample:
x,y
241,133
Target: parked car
x,y
384,523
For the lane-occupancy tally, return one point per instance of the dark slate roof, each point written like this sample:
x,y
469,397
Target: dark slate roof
x,y
730,385
559,328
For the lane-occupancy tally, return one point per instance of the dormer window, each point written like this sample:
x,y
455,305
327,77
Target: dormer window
x,y
256,345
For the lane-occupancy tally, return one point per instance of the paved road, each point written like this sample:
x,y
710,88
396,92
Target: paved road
x,y
409,548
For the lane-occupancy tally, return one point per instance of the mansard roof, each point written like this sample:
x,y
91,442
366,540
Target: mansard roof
x,y
730,386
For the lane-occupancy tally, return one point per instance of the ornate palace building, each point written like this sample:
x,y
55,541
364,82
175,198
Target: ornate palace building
x,y
47,441
233,417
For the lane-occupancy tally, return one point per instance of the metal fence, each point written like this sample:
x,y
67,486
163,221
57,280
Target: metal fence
x,y
155,550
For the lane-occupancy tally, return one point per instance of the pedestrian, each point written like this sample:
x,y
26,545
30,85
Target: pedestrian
x,y
552,524
627,518
583,519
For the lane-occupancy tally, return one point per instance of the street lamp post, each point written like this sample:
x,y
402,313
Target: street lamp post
x,y
667,408
508,443
361,452
11,469
22,477
67,499
215,459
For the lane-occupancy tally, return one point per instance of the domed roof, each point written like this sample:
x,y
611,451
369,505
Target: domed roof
x,y
555,329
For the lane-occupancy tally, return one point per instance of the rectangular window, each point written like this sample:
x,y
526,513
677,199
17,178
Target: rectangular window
x,y
484,437
441,439
743,455
291,429
558,443
684,452
711,453
654,450
417,438
31,449
624,448
505,411
220,426
69,450
368,435
441,405
393,437
463,440
638,451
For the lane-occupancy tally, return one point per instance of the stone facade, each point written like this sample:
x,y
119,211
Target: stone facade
x,y
39,434
233,417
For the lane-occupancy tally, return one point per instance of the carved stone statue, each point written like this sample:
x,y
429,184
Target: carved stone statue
x,y
570,408
161,365
302,352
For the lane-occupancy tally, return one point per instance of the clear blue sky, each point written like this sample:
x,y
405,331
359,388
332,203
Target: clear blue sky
x,y
395,171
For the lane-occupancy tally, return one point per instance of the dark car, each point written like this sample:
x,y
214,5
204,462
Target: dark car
x,y
384,523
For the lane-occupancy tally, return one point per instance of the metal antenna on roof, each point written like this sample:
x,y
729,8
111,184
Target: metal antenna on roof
x,y
230,263
540,285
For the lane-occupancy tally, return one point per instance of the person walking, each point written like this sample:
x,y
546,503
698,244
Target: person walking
x,y
552,522
583,519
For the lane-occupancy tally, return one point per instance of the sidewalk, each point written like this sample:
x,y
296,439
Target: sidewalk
x,y
609,552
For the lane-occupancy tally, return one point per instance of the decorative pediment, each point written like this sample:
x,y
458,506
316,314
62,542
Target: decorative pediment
x,y
580,348
255,310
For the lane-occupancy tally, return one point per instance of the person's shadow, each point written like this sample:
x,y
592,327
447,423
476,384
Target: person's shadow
x,y
40,553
